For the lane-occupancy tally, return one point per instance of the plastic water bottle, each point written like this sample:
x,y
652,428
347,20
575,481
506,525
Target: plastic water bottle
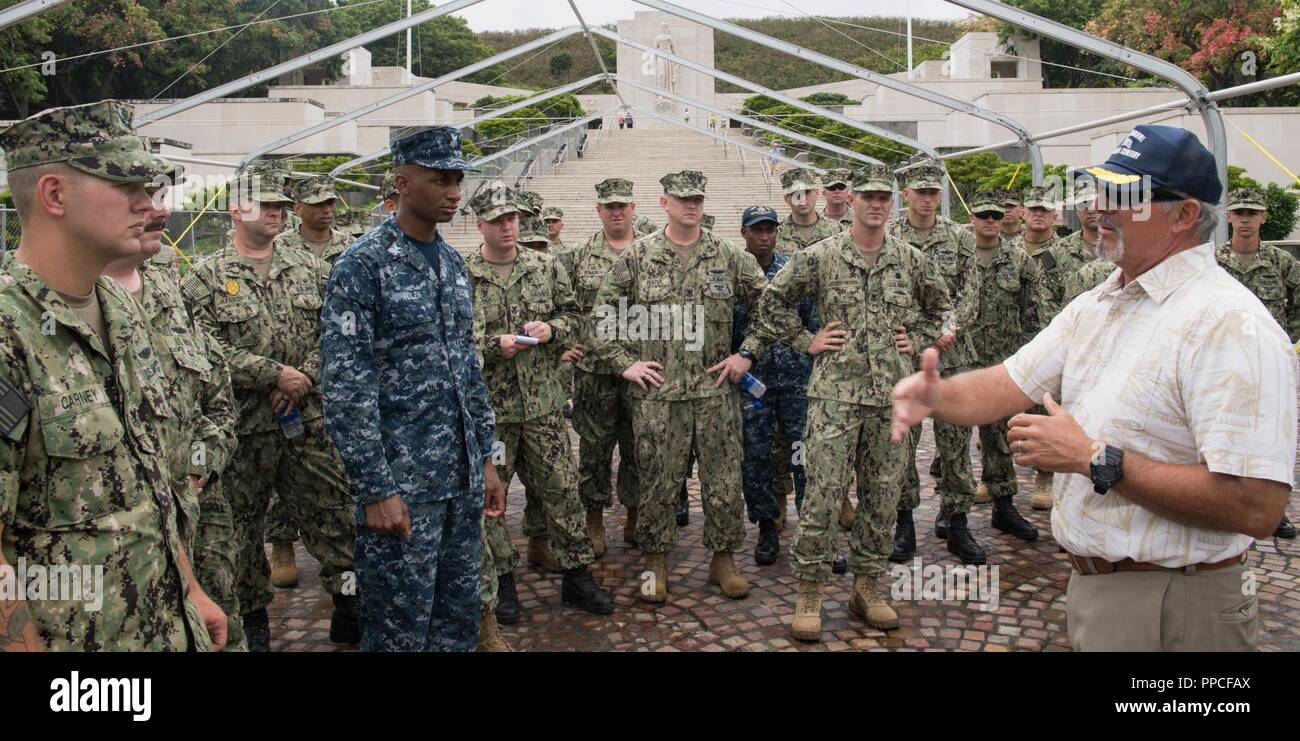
x,y
753,386
290,423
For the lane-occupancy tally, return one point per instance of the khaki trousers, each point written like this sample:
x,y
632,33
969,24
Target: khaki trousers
x,y
1162,611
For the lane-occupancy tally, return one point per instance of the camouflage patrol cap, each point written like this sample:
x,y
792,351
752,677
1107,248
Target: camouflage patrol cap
x,y
265,186
388,185
95,138
614,190
1037,197
1250,198
873,177
986,200
315,190
551,212
928,174
707,221
493,201
532,230
529,202
1009,197
437,148
798,178
355,222
838,176
684,184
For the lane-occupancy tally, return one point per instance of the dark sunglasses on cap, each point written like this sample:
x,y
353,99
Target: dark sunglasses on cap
x,y
984,215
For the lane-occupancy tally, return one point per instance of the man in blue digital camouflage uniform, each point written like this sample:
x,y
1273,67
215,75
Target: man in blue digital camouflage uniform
x,y
406,405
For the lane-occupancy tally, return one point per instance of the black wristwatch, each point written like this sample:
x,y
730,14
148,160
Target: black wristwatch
x,y
747,355
1109,470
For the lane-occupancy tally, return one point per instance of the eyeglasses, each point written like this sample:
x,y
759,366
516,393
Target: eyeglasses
x,y
837,187
986,215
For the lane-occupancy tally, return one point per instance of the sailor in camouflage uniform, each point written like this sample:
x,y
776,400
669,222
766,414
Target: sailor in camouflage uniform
x,y
1270,273
803,226
262,303
516,293
784,405
200,429
553,218
839,196
1012,225
1001,310
880,300
679,406
1087,278
86,478
315,203
602,409
951,250
406,404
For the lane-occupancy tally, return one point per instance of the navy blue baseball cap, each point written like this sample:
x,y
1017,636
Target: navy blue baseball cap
x,y
755,214
437,148
1170,157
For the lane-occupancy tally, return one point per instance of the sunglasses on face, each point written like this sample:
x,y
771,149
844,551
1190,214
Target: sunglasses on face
x,y
837,188
987,215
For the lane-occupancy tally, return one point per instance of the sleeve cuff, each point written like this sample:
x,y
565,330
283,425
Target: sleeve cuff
x,y
803,341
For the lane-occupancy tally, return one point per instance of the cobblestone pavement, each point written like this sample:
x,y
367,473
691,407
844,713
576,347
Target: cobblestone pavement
x,y
1030,615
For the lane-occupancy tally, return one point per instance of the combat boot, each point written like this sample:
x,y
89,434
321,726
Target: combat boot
x,y
962,544
656,589
1285,529
490,639
904,538
722,571
507,599
579,590
840,565
257,630
847,515
1007,519
867,604
1042,498
345,623
284,570
539,555
807,624
982,494
629,528
596,531
683,508
769,543
941,525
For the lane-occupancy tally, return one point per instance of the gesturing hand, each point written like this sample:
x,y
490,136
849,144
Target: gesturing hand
x,y
915,396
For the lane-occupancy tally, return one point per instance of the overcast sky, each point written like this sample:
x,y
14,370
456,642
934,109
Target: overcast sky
x,y
506,15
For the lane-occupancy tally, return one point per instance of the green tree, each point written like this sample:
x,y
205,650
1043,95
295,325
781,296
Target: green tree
x,y
1067,65
438,46
561,63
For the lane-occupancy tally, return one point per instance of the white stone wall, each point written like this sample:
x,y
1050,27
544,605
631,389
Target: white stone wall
x,y
692,41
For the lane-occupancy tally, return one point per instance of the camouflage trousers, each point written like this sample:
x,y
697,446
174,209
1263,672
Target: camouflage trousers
x,y
539,451
602,417
769,431
667,432
278,527
841,437
308,473
421,592
213,558
499,557
999,473
951,468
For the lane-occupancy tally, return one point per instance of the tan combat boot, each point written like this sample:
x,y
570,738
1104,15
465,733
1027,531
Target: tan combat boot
x,y
847,515
807,625
539,555
722,571
654,582
867,604
490,639
982,494
629,527
1042,498
284,570
596,531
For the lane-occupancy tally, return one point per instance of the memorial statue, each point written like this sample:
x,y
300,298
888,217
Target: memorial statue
x,y
665,71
